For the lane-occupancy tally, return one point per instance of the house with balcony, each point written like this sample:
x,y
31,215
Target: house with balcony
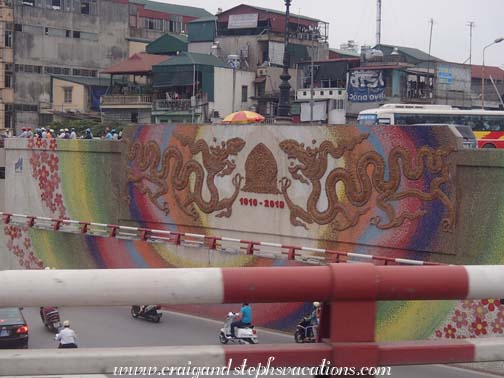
x,y
131,102
192,88
327,102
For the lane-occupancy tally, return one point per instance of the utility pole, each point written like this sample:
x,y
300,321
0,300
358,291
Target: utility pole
x,y
471,25
431,21
378,22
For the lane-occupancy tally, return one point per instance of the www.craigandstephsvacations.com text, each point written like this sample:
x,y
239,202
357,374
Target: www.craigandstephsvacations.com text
x,y
256,371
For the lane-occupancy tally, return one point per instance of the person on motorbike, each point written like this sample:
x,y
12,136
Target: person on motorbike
x,y
315,318
66,337
245,319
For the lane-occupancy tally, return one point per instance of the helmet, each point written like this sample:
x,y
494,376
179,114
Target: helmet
x,y
113,130
316,304
47,268
66,323
88,130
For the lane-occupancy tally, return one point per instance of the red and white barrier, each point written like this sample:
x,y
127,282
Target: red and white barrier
x,y
348,291
315,256
334,282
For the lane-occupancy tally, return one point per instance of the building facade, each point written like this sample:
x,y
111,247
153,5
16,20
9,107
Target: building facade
x,y
72,38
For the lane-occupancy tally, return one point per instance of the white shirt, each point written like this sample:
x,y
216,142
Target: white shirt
x,y
66,336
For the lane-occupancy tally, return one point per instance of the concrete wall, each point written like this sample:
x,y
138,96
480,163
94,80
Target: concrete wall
x,y
200,47
406,192
136,47
223,84
44,49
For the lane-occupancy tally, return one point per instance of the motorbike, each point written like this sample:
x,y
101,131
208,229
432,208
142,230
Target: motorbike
x,y
149,312
245,335
306,331
51,318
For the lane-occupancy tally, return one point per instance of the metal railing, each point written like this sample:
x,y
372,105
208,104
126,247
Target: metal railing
x,y
172,105
126,100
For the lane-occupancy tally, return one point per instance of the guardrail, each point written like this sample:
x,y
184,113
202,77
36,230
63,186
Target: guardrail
x,y
126,100
349,293
309,255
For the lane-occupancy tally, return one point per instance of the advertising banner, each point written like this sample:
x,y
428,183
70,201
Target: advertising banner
x,y
366,86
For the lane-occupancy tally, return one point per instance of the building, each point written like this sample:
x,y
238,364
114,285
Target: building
x,y
72,38
131,101
194,87
329,89
75,97
494,86
395,74
253,38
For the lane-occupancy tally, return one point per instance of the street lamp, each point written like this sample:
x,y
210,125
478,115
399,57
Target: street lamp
x,y
498,40
283,102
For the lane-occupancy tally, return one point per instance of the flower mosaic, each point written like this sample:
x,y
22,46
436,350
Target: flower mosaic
x,y
473,318
44,163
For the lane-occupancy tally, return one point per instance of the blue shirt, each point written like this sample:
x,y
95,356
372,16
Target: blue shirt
x,y
246,314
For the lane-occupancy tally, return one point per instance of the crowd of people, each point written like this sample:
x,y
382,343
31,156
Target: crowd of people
x,y
27,132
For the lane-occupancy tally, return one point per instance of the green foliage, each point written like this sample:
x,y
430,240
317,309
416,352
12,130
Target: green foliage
x,y
80,126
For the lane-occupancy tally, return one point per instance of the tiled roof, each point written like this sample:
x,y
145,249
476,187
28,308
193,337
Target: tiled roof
x,y
496,72
137,63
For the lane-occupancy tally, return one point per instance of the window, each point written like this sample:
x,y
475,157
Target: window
x,y
56,4
2,173
68,33
68,94
46,31
30,3
76,34
85,7
244,96
8,80
8,38
18,27
134,117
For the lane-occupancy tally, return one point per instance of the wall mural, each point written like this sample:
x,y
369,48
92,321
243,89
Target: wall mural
x,y
355,187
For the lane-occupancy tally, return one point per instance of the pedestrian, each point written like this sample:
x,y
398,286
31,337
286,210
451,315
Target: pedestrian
x,y
73,134
88,135
67,337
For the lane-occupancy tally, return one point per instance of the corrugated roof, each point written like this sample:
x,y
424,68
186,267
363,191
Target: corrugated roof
x,y
137,63
173,8
414,53
345,52
204,19
187,58
280,12
89,81
496,72
167,44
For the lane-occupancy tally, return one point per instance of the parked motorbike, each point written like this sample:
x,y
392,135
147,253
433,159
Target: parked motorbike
x,y
51,318
149,312
245,335
306,331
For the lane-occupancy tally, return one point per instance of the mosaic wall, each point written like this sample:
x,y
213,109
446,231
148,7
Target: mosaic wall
x,y
388,191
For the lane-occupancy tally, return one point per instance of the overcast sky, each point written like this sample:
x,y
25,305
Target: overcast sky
x,y
404,23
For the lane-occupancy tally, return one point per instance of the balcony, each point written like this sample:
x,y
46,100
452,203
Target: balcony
x,y
127,101
172,105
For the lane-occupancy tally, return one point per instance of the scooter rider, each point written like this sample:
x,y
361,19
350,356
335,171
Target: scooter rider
x,y
315,318
245,318
67,336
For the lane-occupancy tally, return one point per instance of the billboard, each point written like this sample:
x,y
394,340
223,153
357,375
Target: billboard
x,y
366,86
243,21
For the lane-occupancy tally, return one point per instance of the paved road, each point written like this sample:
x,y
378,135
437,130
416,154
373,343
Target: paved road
x,y
114,327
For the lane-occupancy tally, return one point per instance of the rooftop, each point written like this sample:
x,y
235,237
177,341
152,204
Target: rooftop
x,y
495,72
173,8
412,52
137,64
187,58
279,12
84,80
